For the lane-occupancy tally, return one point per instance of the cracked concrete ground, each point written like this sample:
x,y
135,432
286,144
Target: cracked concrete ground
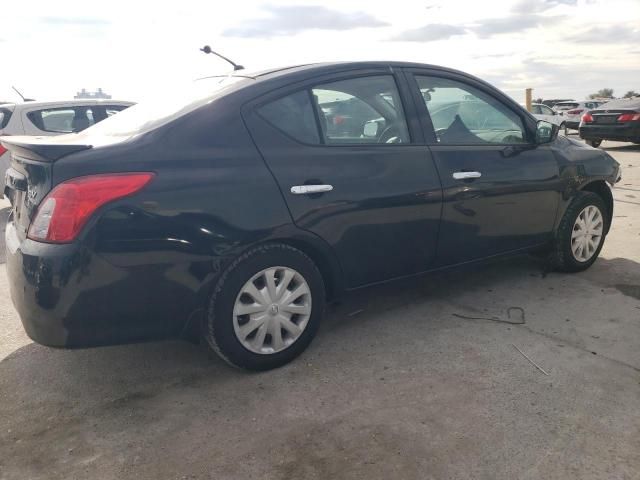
x,y
400,383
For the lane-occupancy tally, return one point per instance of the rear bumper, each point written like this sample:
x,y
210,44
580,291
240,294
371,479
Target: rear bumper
x,y
34,280
68,296
623,133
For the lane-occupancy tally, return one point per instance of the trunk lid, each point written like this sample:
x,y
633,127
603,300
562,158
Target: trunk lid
x,y
609,116
28,179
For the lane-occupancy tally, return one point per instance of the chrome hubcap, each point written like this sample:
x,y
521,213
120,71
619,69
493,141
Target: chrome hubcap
x,y
587,233
272,310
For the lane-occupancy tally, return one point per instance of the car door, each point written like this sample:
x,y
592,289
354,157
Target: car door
x,y
501,191
352,171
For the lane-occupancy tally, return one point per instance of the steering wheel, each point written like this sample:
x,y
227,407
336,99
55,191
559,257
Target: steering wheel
x,y
390,134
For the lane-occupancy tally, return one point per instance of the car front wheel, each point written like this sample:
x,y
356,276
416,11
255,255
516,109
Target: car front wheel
x,y
581,233
594,143
266,308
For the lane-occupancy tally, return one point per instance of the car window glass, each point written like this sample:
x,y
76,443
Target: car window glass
x,y
535,109
5,115
293,115
113,109
463,115
62,120
566,105
361,110
546,110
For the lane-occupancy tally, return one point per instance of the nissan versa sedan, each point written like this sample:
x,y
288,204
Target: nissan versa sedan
x,y
240,211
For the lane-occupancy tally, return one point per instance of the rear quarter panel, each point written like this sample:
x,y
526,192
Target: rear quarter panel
x,y
160,251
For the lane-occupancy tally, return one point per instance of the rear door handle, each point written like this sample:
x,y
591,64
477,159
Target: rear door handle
x,y
465,175
308,189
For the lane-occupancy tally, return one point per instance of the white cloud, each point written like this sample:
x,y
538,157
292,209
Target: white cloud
x,y
133,49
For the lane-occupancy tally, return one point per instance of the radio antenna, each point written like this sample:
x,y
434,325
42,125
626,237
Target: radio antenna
x,y
207,49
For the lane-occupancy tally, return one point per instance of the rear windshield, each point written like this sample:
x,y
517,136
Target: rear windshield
x,y
622,103
566,105
150,114
5,115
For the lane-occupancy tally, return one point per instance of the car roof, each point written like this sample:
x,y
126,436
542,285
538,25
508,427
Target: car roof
x,y
329,67
69,103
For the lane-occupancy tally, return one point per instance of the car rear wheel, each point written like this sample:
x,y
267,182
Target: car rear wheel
x,y
594,143
266,308
581,233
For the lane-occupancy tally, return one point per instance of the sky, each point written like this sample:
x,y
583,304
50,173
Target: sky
x,y
138,50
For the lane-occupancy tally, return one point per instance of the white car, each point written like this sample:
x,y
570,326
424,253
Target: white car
x,y
571,111
51,118
543,112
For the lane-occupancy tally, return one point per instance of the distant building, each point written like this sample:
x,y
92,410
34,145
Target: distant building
x,y
97,94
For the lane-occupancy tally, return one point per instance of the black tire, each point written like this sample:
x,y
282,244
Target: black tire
x,y
219,330
562,258
594,143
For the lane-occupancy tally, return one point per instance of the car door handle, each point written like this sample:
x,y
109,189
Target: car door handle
x,y
308,189
465,175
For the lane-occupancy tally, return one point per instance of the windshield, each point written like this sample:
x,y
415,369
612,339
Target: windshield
x,y
151,114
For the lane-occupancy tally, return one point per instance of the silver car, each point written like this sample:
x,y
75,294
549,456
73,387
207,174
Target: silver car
x,y
51,118
572,111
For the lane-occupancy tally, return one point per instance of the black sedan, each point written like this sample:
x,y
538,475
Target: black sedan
x,y
616,120
239,212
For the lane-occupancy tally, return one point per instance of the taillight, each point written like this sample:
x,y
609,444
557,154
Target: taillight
x,y
575,112
587,118
2,150
629,117
66,209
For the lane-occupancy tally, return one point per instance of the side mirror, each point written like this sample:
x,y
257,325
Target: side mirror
x,y
546,132
370,129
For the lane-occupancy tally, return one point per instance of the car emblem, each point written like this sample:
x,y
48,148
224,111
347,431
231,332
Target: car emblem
x,y
32,194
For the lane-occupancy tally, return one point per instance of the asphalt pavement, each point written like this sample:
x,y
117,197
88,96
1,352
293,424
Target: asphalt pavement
x,y
501,372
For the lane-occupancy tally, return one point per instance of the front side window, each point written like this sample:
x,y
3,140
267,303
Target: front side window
x,y
364,110
62,120
464,115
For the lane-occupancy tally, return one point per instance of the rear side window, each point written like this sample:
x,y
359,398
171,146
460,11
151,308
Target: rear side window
x,y
293,115
361,110
113,109
62,120
5,115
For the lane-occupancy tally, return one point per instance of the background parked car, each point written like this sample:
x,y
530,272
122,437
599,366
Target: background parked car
x,y
572,111
51,118
543,112
615,120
